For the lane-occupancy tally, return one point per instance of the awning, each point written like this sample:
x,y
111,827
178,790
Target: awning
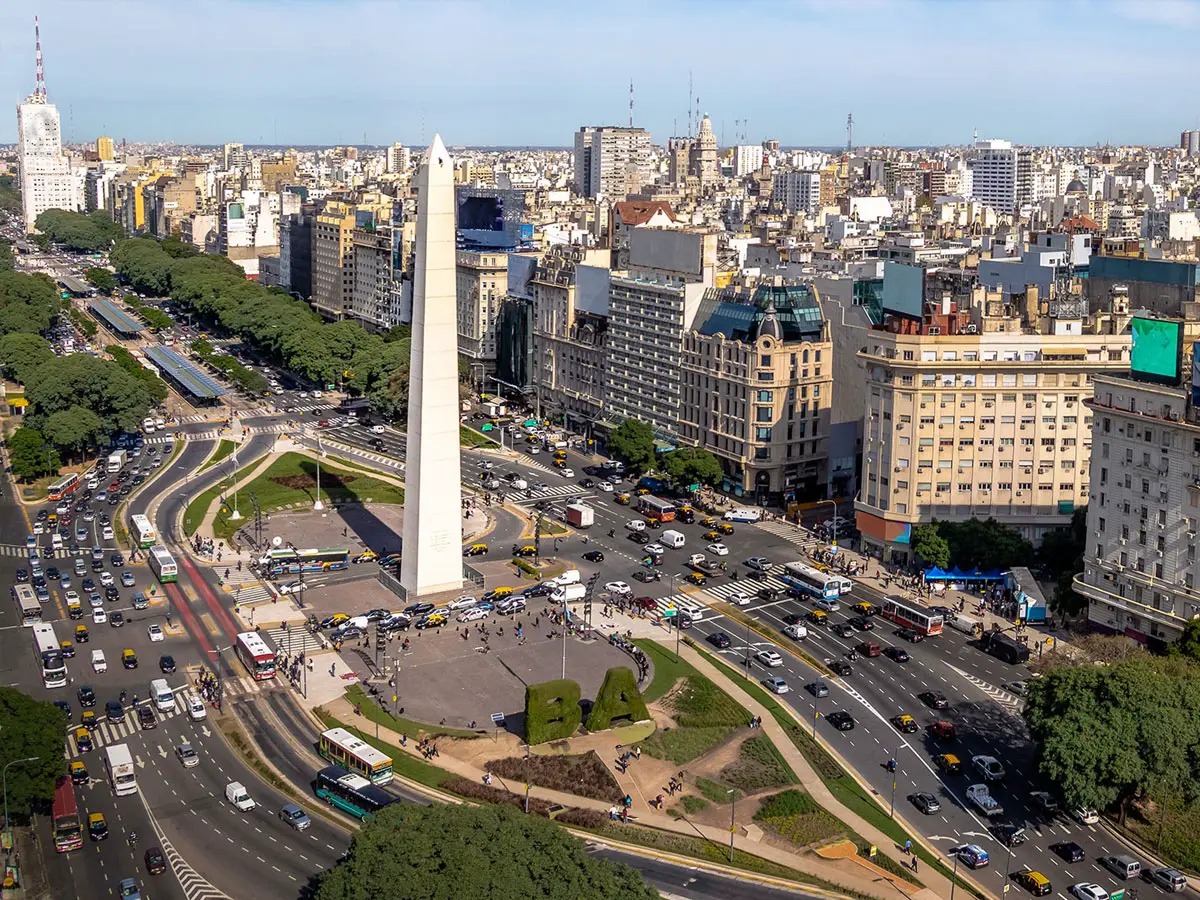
x,y
1077,352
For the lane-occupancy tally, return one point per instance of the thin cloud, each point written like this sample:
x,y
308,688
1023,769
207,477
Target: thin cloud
x,y
1175,13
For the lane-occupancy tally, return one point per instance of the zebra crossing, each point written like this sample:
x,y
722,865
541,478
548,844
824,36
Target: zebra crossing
x,y
293,641
15,550
252,593
749,587
273,428
553,492
107,732
790,533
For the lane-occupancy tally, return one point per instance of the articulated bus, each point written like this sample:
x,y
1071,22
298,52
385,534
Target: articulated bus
x,y
65,485
163,564
68,831
353,753
49,651
351,793
910,615
142,532
256,656
28,606
814,582
280,561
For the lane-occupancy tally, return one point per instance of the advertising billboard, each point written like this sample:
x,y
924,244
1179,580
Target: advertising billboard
x,y
1157,350
1196,374
903,289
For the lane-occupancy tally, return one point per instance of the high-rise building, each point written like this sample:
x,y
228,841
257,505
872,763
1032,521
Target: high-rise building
x,y
613,162
295,252
46,178
399,158
747,159
481,283
332,255
105,149
702,156
1002,175
798,191
233,156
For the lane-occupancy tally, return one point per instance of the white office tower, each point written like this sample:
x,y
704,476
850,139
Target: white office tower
x,y
46,180
994,175
432,553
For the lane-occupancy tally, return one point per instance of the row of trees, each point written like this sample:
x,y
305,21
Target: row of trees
x,y
633,442
232,369
29,728
971,544
85,232
10,195
156,388
28,303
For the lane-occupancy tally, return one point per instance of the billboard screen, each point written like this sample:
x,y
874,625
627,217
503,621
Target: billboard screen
x,y
903,289
1157,350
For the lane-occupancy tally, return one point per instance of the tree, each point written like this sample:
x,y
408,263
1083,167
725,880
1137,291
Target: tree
x,y
10,195
689,465
28,457
1188,645
101,385
985,545
90,233
73,428
22,353
441,851
930,547
29,728
633,442
101,279
6,257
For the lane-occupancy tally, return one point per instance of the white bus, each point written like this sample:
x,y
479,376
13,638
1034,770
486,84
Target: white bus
x,y
28,606
353,753
142,532
118,761
163,564
49,651
814,582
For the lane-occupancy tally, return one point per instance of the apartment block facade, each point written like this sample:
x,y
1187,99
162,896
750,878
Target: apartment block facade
x,y
482,282
332,257
612,162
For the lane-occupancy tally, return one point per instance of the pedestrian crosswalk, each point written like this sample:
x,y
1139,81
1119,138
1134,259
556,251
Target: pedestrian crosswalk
x,y
257,592
294,641
163,438
724,590
551,492
790,532
14,550
311,407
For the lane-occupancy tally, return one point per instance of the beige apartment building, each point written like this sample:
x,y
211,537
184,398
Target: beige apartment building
x,y
482,285
978,411
332,256
373,287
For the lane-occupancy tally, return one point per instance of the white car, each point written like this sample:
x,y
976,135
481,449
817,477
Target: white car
x,y
472,615
534,451
605,486
656,548
377,429
776,685
635,525
196,709
1086,816
618,587
293,587
739,599
795,632
717,549
99,616
187,755
567,473
758,563
72,598
106,579
155,632
769,658
487,465
1088,890
464,602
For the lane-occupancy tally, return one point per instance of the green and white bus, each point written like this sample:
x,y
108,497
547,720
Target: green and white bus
x,y
350,793
142,532
163,564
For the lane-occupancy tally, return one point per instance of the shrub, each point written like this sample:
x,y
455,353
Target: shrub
x,y
692,804
551,710
582,818
583,774
619,698
795,816
473,790
759,765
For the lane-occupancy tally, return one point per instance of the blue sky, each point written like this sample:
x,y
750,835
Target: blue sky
x,y
496,72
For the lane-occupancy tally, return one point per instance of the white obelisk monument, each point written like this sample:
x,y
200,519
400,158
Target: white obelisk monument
x,y
432,551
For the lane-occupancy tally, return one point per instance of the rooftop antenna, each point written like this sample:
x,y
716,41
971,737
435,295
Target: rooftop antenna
x,y
849,133
630,102
39,90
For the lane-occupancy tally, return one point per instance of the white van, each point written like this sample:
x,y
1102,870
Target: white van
x,y
568,593
162,696
571,576
672,539
743,515
99,663
56,542
966,624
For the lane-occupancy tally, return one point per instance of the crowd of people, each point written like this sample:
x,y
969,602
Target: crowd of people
x,y
209,687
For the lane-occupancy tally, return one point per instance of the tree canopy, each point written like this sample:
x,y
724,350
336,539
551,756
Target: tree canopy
x,y
86,232
28,303
691,465
633,442
6,257
976,544
77,380
21,353
10,195
30,728
930,547
156,388
101,279
27,456
1110,734
444,851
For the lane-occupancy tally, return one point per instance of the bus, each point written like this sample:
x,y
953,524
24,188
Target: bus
x,y
68,831
27,604
350,793
909,615
142,531
1003,647
163,564
256,656
812,581
656,507
354,754
49,651
118,762
65,485
280,561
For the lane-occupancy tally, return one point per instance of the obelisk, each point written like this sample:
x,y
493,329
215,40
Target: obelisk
x,y
432,553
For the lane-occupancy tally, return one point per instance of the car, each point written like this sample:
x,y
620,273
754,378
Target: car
x,y
116,560
112,594
925,802
127,579
1165,877
842,630
79,773
166,664
941,730
1068,851
337,620
775,685
349,633
1086,816
933,699
1088,890
1034,882
88,585
717,549
22,575
737,598
861,623
97,826
129,659
99,616
544,589
719,639
905,723
156,862
1045,803
567,472
841,720
817,688
146,719
433,620
1019,688
769,658
196,709
989,767
471,615
464,602
897,654
415,609
395,622
106,579
841,668
86,696
971,855
645,577
620,588
793,619
116,620
606,486
52,573
817,617
911,635
498,593
294,816
128,889
378,614
65,707
758,563
657,549
639,537
1009,834
187,755
114,711
795,632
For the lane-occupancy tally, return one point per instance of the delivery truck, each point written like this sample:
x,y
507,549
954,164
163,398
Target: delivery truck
x,y
580,515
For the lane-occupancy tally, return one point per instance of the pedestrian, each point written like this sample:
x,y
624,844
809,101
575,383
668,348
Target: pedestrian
x,y
332,669
637,752
914,864
908,846
487,778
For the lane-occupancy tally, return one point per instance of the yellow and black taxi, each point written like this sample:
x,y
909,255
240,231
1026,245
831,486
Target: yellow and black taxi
x,y
81,634
497,594
686,514
818,617
97,826
905,723
79,773
88,719
709,522
83,740
1034,882
432,620
74,609
560,455
525,551
948,763
476,549
696,578
366,556
642,491
129,659
863,608
623,498
712,536
724,528
68,649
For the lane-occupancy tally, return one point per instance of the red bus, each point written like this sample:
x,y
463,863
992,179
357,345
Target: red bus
x,y
912,616
65,485
256,656
68,832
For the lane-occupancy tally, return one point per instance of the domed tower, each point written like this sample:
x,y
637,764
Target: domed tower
x,y
705,150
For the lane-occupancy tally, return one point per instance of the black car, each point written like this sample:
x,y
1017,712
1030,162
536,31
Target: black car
x,y
545,589
841,720
116,560
767,594
933,699
817,688
925,802
639,537
1010,835
52,573
97,565
719,639
896,654
65,707
116,620
166,664
910,635
793,619
841,629
374,615
395,623
22,575
838,667
418,609
114,711
156,863
87,585
146,718
586,483
87,697
1069,851
862,623
646,577
112,594
594,556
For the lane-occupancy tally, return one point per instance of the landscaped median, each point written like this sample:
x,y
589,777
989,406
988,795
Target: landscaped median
x,y
224,449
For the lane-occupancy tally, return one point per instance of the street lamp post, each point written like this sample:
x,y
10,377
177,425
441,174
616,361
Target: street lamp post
x,y
318,506
220,674
5,779
954,877
836,517
236,514
895,770
746,655
732,812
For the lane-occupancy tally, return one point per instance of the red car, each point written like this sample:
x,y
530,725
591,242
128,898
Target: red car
x,y
324,423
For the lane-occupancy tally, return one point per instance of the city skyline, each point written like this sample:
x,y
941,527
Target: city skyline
x,y
293,86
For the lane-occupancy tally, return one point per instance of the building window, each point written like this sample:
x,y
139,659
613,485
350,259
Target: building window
x,y
762,434
766,396
764,414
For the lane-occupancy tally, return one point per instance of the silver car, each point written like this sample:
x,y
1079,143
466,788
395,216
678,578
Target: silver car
x,y
187,755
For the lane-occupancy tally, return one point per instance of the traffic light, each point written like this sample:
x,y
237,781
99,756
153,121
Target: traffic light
x,y
380,639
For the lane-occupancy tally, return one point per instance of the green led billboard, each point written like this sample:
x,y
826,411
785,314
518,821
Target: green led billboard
x,y
1157,349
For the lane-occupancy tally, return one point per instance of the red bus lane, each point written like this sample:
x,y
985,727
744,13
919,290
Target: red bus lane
x,y
218,611
178,600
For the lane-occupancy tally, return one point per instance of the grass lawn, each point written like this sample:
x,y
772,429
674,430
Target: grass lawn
x,y
715,791
692,804
373,712
581,774
38,489
797,817
1180,831
194,514
666,669
469,437
759,766
224,449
